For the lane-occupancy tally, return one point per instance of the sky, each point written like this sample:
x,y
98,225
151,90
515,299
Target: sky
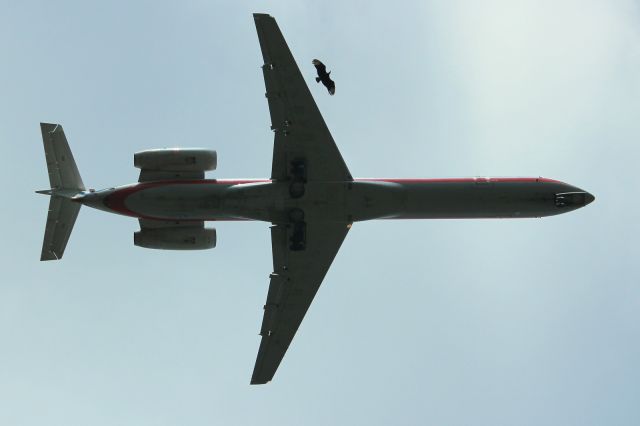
x,y
444,322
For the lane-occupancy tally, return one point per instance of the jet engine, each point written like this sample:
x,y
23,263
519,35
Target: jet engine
x,y
176,238
176,159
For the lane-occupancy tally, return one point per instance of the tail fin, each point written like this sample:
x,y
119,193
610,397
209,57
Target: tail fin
x,y
65,182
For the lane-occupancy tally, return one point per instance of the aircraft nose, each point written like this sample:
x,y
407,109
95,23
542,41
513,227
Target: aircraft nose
x,y
574,199
588,198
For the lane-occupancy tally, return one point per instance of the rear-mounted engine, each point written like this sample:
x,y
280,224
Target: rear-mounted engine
x,y
176,159
178,238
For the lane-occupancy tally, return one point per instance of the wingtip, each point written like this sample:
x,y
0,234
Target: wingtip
x,y
49,255
50,127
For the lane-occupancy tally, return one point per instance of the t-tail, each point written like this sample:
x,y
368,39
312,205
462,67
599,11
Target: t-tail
x,y
66,184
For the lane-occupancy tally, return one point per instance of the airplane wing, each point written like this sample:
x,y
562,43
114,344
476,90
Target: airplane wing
x,y
303,151
301,134
296,277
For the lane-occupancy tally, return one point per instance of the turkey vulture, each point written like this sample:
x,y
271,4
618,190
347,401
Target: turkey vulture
x,y
323,76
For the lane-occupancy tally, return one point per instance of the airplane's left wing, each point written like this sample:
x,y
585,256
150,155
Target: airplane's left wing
x,y
296,277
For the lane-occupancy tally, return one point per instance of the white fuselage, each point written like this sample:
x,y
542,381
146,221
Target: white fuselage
x,y
362,199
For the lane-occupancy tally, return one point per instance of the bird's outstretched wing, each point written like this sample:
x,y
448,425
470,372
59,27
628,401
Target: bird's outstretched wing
x,y
322,69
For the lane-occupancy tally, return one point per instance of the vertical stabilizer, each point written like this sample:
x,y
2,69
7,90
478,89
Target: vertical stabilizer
x,y
65,182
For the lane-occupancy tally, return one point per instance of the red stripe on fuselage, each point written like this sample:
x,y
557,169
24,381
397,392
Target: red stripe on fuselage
x,y
461,180
116,200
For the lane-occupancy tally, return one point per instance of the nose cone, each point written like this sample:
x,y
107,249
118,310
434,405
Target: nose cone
x,y
588,198
573,200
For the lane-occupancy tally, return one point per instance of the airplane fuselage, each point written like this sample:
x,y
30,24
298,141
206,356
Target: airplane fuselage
x,y
362,199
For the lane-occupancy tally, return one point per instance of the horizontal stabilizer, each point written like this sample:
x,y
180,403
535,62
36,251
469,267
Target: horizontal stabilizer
x,y
66,186
63,172
60,220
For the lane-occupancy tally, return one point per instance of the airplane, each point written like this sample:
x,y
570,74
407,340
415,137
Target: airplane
x,y
311,198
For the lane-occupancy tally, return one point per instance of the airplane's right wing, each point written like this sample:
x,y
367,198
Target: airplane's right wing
x,y
301,135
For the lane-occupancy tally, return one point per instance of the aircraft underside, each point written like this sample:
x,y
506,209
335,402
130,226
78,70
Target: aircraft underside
x,y
311,199
361,199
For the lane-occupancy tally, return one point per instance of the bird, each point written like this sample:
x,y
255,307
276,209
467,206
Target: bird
x,y
324,76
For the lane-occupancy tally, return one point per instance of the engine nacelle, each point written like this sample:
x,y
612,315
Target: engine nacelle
x,y
176,159
177,238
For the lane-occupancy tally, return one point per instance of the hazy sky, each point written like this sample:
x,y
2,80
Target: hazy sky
x,y
506,322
